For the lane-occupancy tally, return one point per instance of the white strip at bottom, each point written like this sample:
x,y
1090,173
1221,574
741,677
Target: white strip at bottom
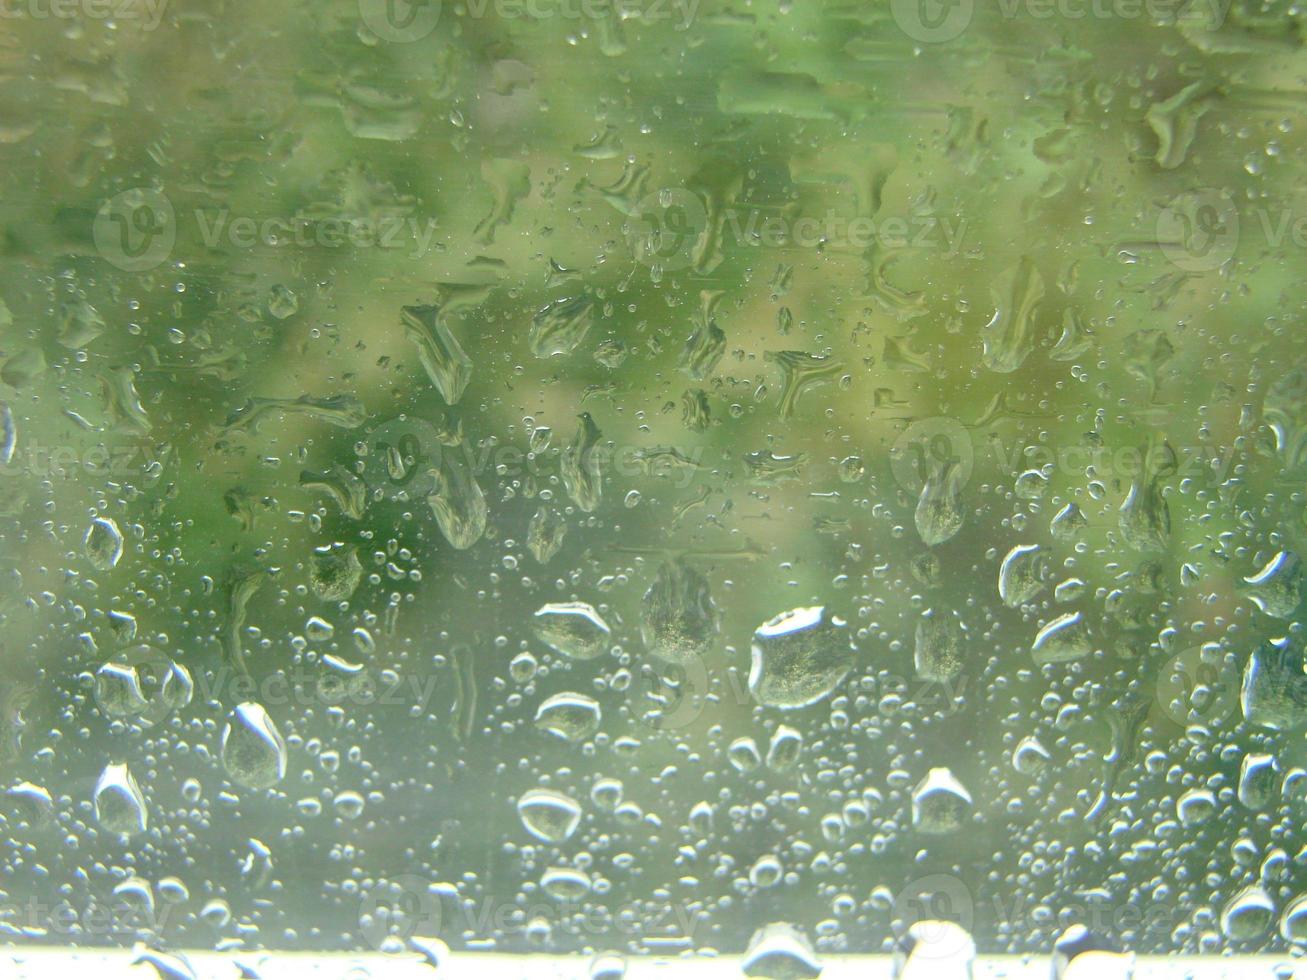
x,y
42,963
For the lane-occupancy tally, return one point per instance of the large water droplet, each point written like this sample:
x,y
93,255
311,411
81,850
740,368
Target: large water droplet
x,y
253,751
1274,691
104,543
119,802
570,716
574,629
1021,576
1277,588
937,655
1248,914
548,815
679,615
780,952
799,657
1064,638
940,804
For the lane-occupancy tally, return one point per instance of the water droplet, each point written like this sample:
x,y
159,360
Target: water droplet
x,y
799,657
1021,576
104,543
119,802
570,716
548,815
1062,639
1248,915
940,804
253,751
1277,588
784,749
937,655
574,629
680,619
779,951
